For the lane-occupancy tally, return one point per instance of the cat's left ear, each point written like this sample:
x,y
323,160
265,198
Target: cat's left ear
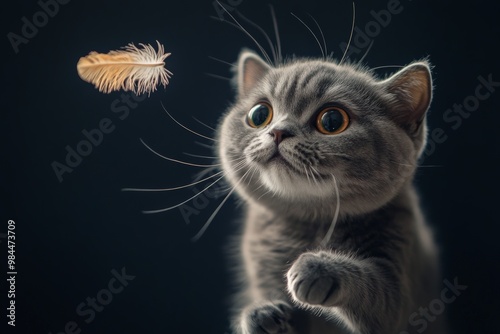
x,y
251,69
410,94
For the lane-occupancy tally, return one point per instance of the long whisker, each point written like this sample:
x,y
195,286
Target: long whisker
x,y
417,165
210,147
242,164
321,32
174,188
314,35
276,33
366,52
218,76
184,202
211,218
208,126
222,61
239,27
267,192
247,33
253,173
175,160
352,32
307,174
262,31
185,127
313,170
199,156
335,216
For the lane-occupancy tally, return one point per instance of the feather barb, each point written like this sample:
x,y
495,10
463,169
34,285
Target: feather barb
x,y
136,69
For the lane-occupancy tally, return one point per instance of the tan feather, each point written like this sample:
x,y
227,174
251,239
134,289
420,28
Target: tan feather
x,y
132,69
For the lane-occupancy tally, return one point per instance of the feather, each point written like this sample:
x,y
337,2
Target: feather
x,y
132,69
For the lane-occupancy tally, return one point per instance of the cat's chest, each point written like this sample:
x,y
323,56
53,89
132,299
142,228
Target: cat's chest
x,y
271,238
279,240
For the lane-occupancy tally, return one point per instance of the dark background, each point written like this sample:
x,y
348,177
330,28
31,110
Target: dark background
x,y
71,234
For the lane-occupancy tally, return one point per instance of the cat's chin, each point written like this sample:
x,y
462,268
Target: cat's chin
x,y
282,179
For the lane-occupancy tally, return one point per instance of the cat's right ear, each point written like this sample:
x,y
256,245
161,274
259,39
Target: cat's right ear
x,y
410,92
251,69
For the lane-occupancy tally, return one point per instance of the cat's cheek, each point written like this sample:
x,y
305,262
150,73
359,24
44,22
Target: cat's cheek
x,y
312,281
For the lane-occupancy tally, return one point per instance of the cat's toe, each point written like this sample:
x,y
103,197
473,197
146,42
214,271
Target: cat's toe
x,y
311,281
267,318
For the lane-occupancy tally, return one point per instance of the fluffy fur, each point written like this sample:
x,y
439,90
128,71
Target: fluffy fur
x,y
380,264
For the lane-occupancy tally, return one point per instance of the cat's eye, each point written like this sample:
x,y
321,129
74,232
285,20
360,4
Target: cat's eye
x,y
332,121
260,115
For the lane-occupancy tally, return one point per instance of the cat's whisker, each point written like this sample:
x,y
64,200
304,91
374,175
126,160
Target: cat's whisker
x,y
314,35
321,32
175,160
210,147
173,188
366,52
245,178
254,169
211,218
329,233
307,174
218,76
276,33
263,32
417,165
208,126
199,156
239,27
185,127
316,171
246,32
352,32
183,186
189,199
261,185
222,61
267,192
184,202
313,170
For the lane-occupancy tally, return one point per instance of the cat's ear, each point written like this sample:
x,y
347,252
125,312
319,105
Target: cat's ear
x,y
410,94
251,69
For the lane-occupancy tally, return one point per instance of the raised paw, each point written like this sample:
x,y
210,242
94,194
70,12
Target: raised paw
x,y
267,318
312,280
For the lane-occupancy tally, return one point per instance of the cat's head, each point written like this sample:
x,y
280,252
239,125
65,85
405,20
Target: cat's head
x,y
298,129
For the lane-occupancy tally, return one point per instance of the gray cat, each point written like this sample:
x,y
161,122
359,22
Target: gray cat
x,y
323,155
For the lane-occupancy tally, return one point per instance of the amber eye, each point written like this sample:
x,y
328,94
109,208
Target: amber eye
x,y
332,121
260,115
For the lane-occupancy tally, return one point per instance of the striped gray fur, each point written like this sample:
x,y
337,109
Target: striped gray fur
x,y
380,264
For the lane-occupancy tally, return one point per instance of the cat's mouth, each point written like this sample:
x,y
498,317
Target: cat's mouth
x,y
278,159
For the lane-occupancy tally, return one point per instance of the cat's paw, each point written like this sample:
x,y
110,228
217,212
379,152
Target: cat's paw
x,y
267,318
312,280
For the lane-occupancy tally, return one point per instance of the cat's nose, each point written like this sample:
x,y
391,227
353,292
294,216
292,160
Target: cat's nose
x,y
280,134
